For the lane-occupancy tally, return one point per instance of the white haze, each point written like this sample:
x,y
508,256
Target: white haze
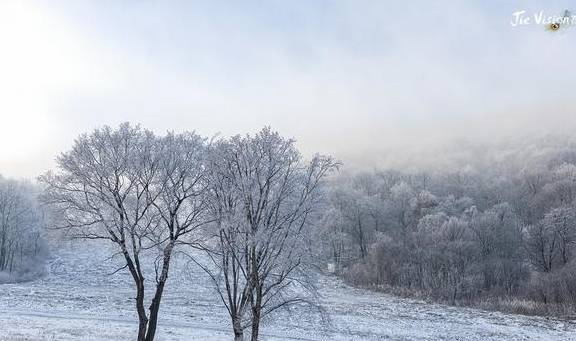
x,y
353,79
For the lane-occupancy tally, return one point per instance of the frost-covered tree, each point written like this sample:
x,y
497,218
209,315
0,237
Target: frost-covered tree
x,y
263,196
551,242
479,223
22,248
143,193
355,214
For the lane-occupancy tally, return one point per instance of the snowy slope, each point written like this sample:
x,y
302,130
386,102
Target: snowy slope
x,y
78,300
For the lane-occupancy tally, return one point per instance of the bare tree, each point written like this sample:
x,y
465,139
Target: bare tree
x,y
551,241
21,245
141,192
264,196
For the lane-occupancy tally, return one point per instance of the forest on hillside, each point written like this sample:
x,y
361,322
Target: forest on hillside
x,y
490,225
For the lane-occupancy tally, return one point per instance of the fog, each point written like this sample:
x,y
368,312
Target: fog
x,y
363,82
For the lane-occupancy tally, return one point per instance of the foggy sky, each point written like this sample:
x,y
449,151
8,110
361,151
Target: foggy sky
x,y
354,79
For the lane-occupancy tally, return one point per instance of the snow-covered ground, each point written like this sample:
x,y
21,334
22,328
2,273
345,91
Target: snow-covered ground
x,y
78,300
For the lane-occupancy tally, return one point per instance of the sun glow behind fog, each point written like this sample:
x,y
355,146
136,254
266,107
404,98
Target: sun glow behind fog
x,y
315,72
40,61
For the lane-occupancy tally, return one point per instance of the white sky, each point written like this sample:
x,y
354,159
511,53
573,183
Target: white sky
x,y
350,78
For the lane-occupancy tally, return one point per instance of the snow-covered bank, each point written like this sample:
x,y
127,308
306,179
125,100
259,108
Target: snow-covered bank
x,y
79,301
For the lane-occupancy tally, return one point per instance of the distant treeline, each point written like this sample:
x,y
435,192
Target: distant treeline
x,y
22,248
495,226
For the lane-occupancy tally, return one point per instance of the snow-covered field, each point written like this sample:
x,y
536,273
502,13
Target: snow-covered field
x,y
78,300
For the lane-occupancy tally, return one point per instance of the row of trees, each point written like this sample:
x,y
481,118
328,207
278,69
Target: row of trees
x,y
22,248
245,200
499,223
503,226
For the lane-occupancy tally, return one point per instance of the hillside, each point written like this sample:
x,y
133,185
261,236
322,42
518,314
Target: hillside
x,y
80,300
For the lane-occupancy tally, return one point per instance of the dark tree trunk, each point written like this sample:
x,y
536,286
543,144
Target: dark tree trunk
x,y
256,311
142,319
155,305
154,309
361,238
237,327
255,323
139,281
3,252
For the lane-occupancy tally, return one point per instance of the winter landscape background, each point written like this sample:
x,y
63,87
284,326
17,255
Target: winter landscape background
x,y
273,170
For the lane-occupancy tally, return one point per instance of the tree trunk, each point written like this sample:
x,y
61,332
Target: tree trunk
x,y
11,261
142,319
256,310
155,305
361,239
238,332
154,309
3,252
255,324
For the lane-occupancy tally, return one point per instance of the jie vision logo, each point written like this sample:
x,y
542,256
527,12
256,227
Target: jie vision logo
x,y
550,22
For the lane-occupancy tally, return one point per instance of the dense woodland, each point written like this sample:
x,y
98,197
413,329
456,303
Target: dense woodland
x,y
491,225
22,249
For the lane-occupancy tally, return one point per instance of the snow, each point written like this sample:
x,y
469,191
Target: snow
x,y
80,300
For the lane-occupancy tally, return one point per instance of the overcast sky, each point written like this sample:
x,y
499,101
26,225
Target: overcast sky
x,y
350,78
